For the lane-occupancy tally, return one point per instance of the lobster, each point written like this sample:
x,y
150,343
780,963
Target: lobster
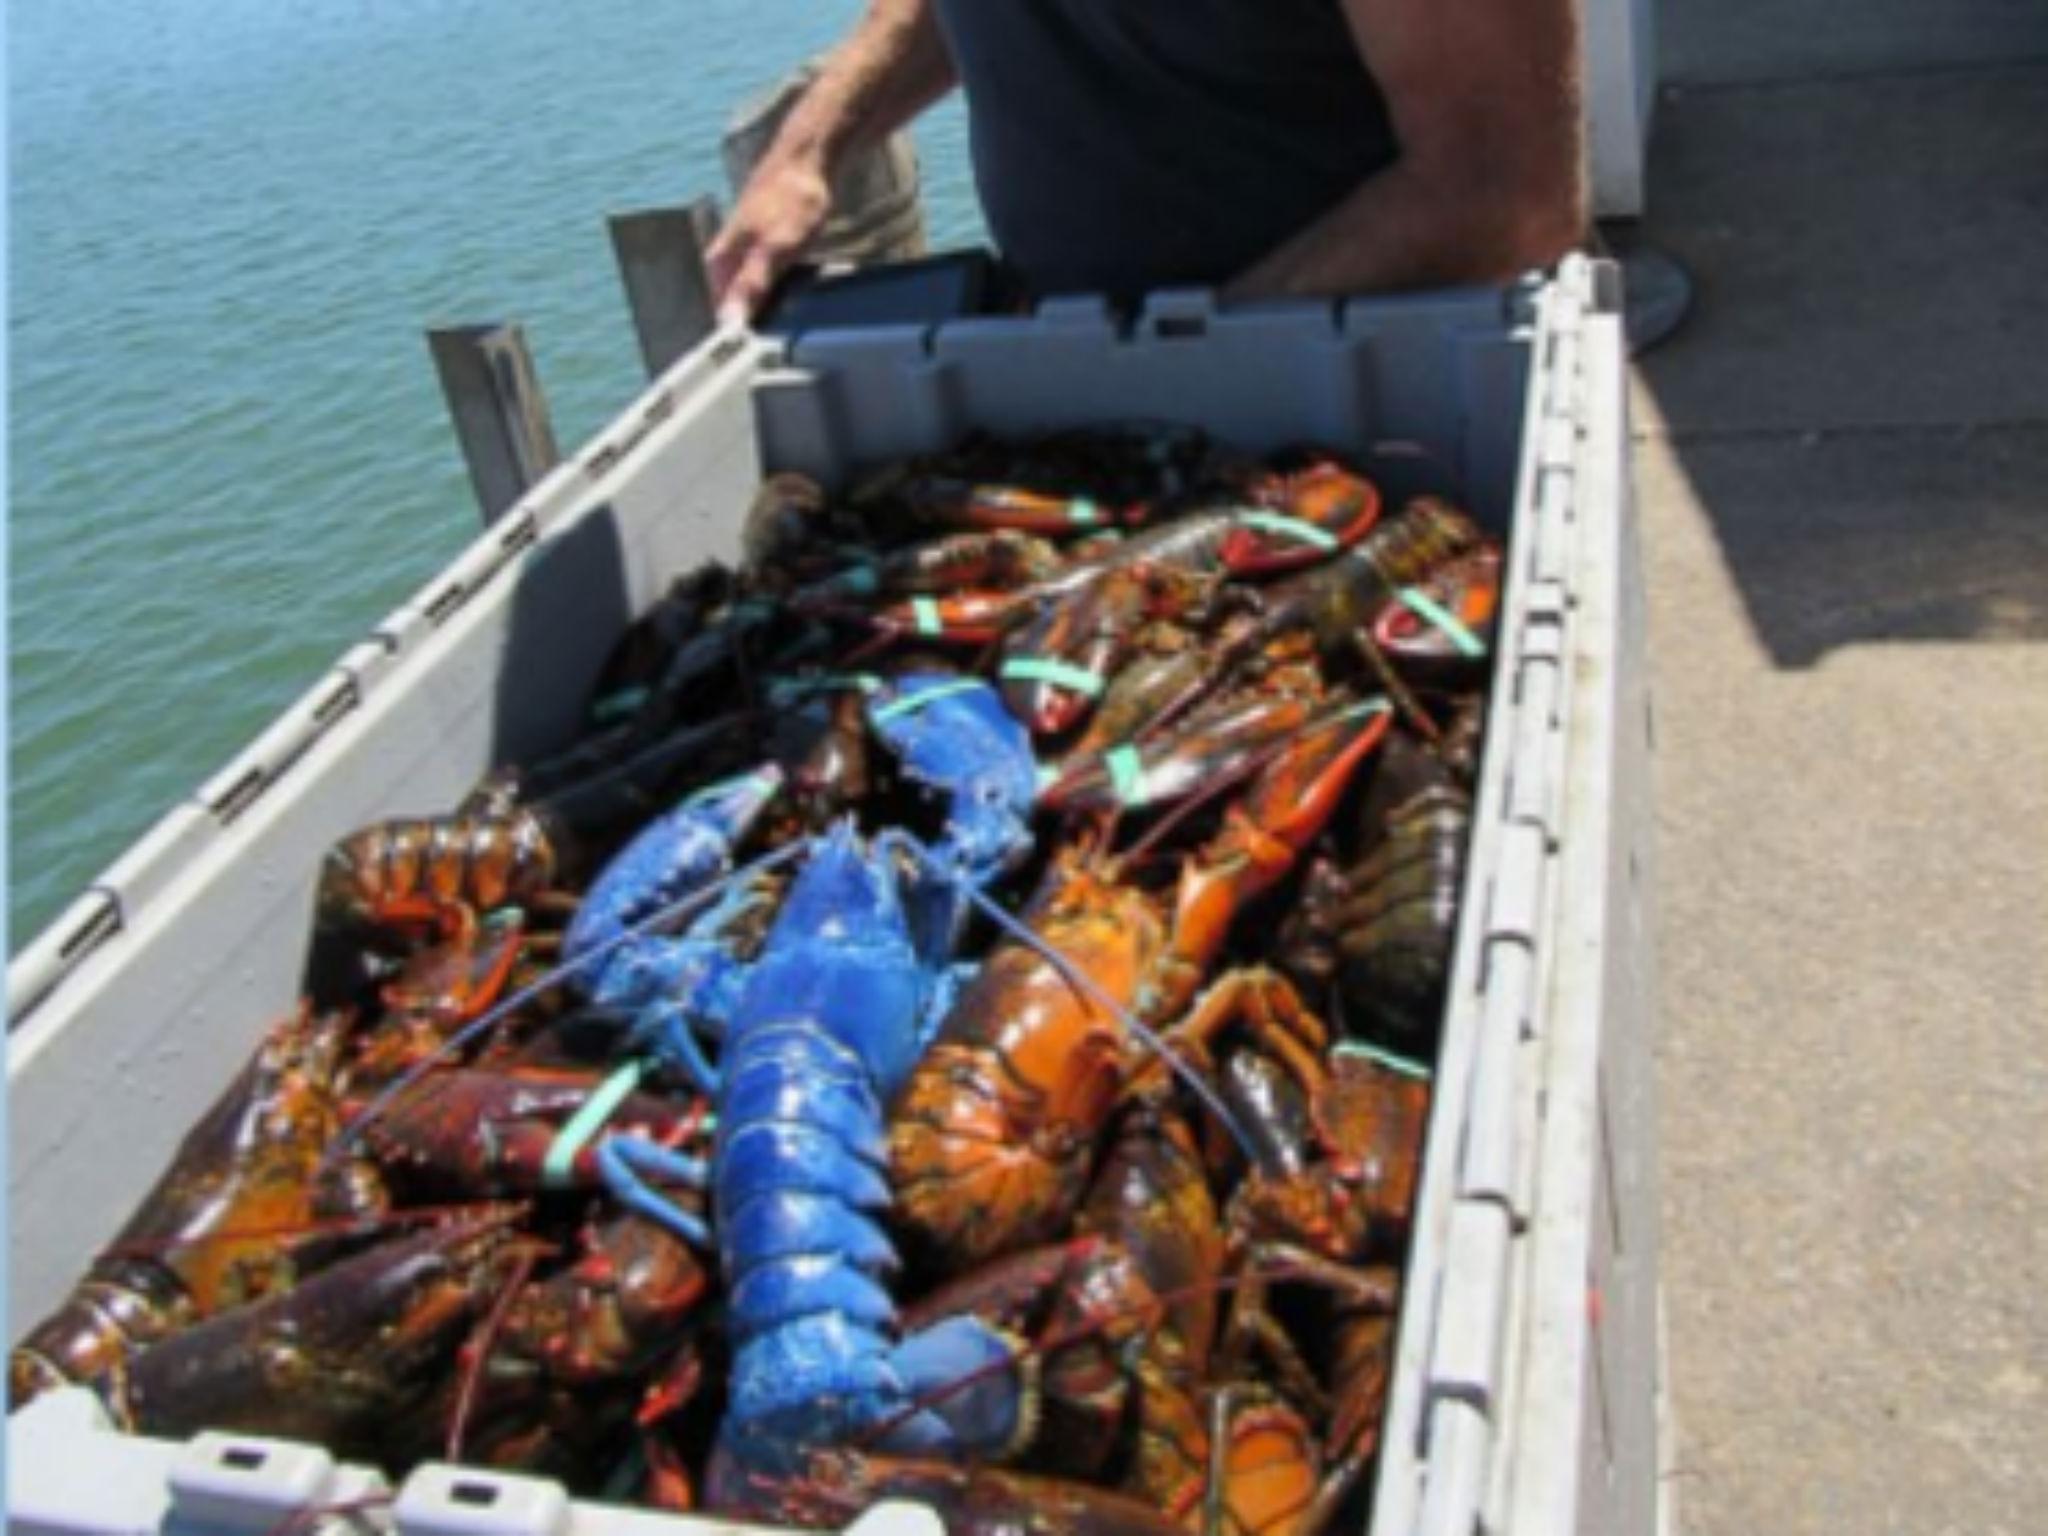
x,y
437,991
1091,612
816,1033
466,1133
1381,930
1335,1193
1130,1310
437,872
246,1168
1335,602
335,1360
1000,561
1078,481
569,1361
991,1138
1055,667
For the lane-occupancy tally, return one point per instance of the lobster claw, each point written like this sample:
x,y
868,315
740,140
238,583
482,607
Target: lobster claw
x,y
953,735
1441,628
1204,751
1289,802
338,1358
1306,517
682,852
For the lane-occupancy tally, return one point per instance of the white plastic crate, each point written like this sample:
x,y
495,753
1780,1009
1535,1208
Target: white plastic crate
x,y
1524,1396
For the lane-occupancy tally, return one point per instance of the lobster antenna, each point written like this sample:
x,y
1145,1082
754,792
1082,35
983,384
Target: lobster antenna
x,y
1081,981
481,1342
1397,690
337,1226
306,1516
492,1017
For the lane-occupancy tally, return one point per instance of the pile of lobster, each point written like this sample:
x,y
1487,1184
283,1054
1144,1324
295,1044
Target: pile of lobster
x,y
955,1025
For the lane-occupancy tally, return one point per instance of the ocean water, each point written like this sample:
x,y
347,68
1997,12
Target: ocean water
x,y
230,223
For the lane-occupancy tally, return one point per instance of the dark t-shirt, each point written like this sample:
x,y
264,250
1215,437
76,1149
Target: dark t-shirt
x,y
1121,145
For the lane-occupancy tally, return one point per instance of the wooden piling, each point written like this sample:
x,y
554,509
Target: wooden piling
x,y
668,288
500,414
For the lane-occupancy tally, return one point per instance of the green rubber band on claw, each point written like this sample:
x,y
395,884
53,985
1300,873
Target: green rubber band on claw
x,y
911,703
1127,775
1425,607
787,690
558,1170
616,706
1407,1066
1049,669
1083,512
926,611
1289,527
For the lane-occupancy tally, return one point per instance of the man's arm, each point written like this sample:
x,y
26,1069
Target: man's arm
x,y
1484,99
892,67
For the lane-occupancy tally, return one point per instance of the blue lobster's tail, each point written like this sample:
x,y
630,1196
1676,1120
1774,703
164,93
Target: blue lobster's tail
x,y
834,1015
970,1387
954,1391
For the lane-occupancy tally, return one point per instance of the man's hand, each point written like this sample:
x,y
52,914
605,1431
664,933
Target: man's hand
x,y
784,206
893,66
1485,102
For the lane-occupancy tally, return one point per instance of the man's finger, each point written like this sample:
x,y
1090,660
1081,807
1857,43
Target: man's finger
x,y
722,260
750,283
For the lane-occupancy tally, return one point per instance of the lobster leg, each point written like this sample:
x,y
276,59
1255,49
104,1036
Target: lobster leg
x,y
627,1162
1267,1003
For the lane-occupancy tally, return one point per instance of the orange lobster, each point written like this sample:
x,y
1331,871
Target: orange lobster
x,y
991,1139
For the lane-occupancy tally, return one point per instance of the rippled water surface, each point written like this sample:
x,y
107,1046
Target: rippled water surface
x,y
230,222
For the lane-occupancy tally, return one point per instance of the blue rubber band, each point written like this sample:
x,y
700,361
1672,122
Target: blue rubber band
x,y
558,1170
1050,669
1291,527
1423,606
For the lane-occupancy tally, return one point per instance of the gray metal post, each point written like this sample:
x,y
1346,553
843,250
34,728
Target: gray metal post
x,y
501,416
661,260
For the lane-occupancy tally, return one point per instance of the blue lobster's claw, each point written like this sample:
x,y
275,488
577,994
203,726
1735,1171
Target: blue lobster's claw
x,y
682,852
956,735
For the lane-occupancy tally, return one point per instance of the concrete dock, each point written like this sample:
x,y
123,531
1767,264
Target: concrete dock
x,y
1842,465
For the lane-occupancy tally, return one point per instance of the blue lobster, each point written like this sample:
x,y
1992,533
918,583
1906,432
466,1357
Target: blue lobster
x,y
816,1036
